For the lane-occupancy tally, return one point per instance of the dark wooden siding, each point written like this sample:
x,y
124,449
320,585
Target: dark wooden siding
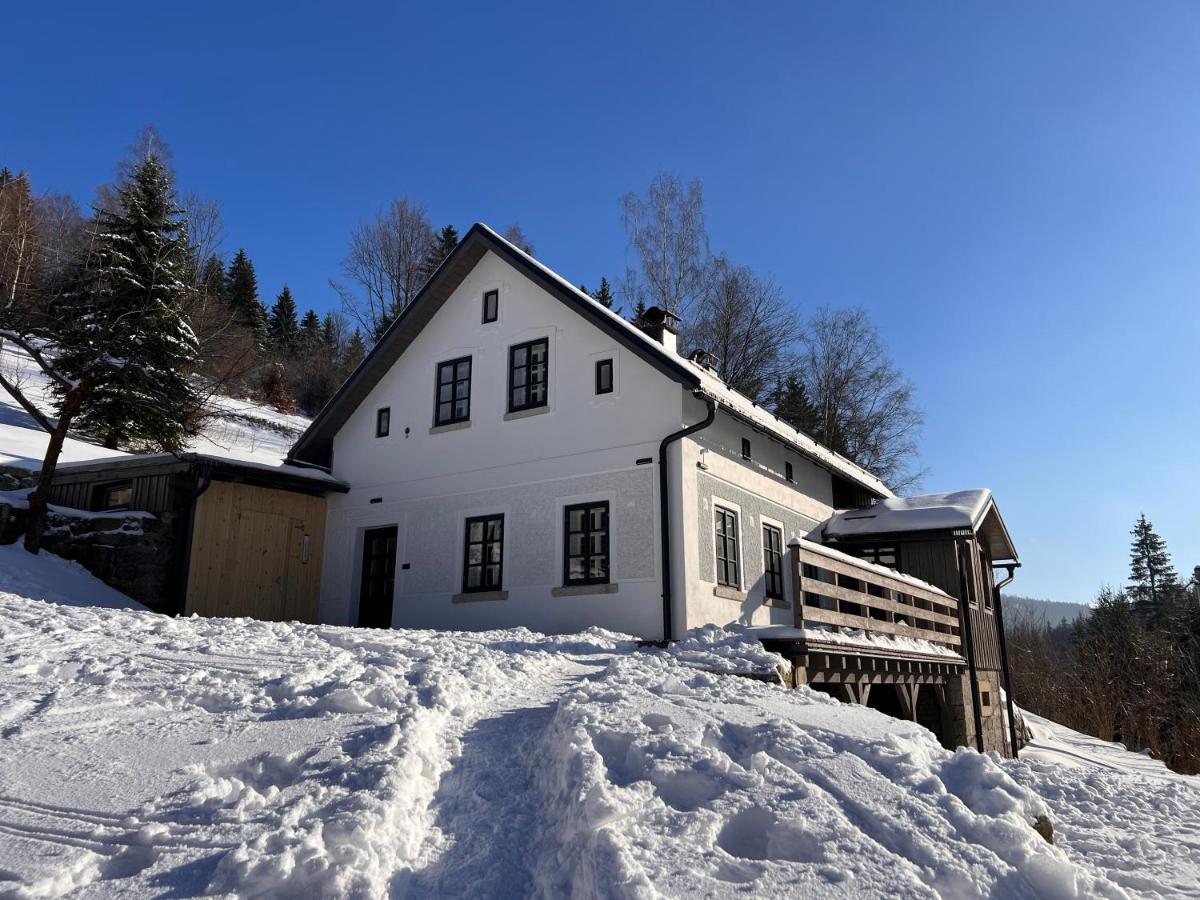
x,y
151,493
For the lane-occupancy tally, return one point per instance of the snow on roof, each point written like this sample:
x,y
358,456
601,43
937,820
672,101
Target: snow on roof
x,y
838,555
928,512
292,471
718,390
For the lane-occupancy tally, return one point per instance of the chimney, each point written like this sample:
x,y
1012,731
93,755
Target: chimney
x,y
659,323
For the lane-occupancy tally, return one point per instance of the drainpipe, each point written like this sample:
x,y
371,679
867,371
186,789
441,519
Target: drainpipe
x,y
1008,697
970,641
664,507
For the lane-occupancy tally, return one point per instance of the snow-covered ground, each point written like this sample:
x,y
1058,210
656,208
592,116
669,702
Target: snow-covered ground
x,y
147,756
240,429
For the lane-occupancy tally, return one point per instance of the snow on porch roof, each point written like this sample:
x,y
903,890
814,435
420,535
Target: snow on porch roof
x,y
973,509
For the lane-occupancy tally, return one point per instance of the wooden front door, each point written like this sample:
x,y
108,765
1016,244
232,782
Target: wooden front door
x,y
378,578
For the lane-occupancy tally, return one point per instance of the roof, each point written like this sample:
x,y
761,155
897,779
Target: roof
x,y
974,510
315,445
222,468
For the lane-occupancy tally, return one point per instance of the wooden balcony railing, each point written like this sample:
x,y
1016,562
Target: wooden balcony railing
x,y
834,589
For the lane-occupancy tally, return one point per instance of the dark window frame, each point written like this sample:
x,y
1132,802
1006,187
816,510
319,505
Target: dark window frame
x,y
789,474
453,418
601,365
383,421
746,449
483,564
773,561
494,296
101,493
527,367
724,542
587,532
872,552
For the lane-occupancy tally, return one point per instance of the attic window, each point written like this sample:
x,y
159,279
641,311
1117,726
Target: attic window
x,y
604,376
745,448
383,422
491,306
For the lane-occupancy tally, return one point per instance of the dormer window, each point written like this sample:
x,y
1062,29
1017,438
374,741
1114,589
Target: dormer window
x,y
491,306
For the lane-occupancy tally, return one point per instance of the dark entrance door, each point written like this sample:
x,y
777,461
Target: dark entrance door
x,y
378,578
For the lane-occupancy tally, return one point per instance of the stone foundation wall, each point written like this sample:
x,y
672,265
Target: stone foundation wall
x,y
134,552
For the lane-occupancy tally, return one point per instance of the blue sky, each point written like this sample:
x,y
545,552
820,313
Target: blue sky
x,y
1012,190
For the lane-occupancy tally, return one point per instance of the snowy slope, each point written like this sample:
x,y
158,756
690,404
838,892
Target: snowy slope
x,y
147,756
56,580
240,429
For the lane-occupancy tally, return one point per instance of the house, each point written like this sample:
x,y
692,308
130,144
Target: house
x,y
513,453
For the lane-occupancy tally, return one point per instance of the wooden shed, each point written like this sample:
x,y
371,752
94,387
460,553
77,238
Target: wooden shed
x,y
247,539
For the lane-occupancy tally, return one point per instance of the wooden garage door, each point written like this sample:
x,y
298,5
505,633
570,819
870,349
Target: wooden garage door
x,y
256,552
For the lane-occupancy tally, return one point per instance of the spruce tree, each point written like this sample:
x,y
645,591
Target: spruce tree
x,y
1150,569
355,350
212,280
440,247
793,405
604,294
310,333
122,325
282,329
330,333
242,291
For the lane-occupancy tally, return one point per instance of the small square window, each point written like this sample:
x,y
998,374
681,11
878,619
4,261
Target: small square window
x,y
383,422
604,376
745,448
787,472
491,306
114,496
985,698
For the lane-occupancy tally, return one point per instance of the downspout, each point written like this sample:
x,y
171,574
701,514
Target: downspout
x,y
970,640
664,507
1008,696
204,471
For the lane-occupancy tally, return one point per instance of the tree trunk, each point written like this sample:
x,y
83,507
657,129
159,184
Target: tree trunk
x,y
39,497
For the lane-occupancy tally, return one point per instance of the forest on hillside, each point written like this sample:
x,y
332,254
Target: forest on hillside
x,y
1129,670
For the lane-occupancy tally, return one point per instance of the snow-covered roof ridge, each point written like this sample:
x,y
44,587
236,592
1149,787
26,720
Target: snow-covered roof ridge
x,y
925,512
713,386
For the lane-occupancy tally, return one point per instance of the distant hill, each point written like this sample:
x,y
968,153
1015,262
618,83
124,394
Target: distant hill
x,y
1052,612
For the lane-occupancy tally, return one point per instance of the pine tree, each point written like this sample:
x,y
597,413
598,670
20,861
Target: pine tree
x,y
123,327
355,350
1150,570
440,247
310,333
639,312
242,291
793,405
604,295
212,280
330,333
282,329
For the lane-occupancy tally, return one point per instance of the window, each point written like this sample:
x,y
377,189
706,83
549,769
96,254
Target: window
x,y
604,376
114,496
773,561
483,558
986,579
884,555
585,557
787,472
383,422
491,306
745,448
985,699
453,392
527,364
727,548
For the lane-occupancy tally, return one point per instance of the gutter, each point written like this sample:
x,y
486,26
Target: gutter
x,y
1008,694
664,507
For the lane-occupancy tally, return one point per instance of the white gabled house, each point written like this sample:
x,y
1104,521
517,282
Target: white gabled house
x,y
518,455
505,445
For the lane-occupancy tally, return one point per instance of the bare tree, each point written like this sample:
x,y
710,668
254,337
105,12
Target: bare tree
x,y
744,320
864,407
385,264
666,232
516,236
19,241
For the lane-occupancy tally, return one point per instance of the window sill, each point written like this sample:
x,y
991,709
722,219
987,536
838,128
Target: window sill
x,y
729,593
582,590
776,603
479,596
526,413
453,426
